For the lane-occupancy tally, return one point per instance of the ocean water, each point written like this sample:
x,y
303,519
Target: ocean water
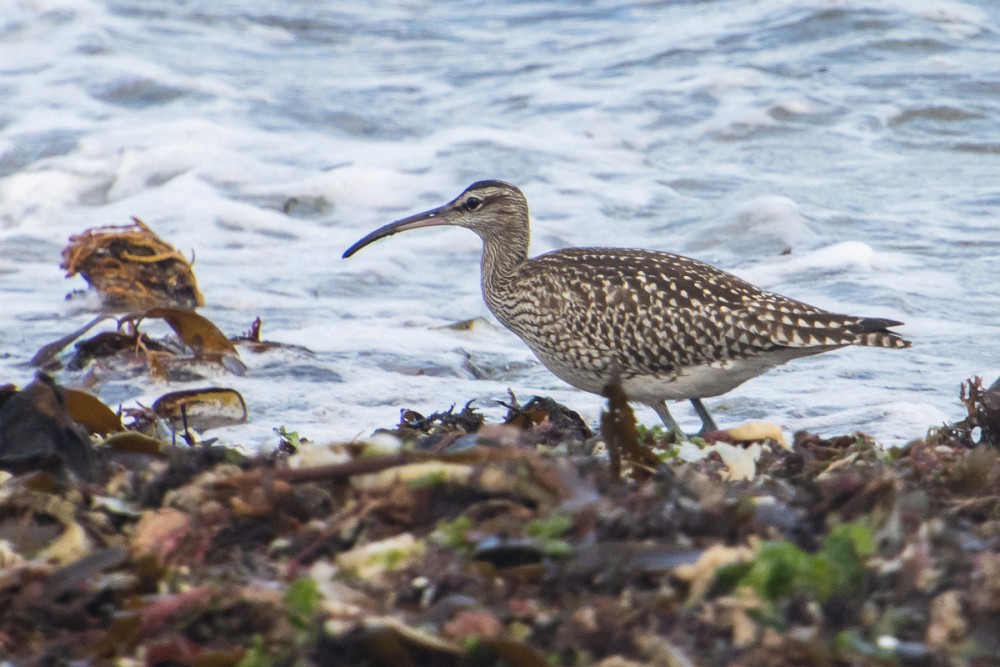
x,y
842,152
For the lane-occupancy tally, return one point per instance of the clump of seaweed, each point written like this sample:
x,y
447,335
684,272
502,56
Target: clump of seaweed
x,y
131,267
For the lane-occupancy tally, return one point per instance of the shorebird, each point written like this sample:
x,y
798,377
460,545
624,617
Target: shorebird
x,y
666,327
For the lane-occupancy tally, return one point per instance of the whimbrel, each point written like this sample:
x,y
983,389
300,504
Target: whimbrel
x,y
666,327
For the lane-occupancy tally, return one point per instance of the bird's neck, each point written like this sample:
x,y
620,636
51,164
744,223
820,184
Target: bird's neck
x,y
503,253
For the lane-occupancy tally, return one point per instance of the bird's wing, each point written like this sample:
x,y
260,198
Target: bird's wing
x,y
791,323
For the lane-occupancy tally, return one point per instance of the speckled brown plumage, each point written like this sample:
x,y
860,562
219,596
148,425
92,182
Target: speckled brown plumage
x,y
668,327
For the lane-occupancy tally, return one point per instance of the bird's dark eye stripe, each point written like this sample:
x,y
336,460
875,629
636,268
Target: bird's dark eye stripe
x,y
473,203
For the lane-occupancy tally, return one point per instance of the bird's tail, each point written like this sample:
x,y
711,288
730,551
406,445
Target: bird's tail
x,y
874,332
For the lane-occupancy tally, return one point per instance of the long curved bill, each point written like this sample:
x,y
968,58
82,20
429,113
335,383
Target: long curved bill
x,y
432,218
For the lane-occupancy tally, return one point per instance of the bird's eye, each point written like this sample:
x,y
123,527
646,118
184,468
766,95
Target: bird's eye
x,y
473,204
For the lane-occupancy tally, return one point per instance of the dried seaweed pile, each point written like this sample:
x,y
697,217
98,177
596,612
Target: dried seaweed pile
x,y
131,267
497,550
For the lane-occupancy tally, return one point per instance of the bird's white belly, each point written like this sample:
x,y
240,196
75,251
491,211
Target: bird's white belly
x,y
695,381
699,381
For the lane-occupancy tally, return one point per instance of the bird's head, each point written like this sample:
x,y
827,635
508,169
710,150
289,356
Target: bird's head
x,y
489,208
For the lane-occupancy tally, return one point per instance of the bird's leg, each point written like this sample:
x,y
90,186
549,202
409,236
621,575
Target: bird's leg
x,y
669,421
707,423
